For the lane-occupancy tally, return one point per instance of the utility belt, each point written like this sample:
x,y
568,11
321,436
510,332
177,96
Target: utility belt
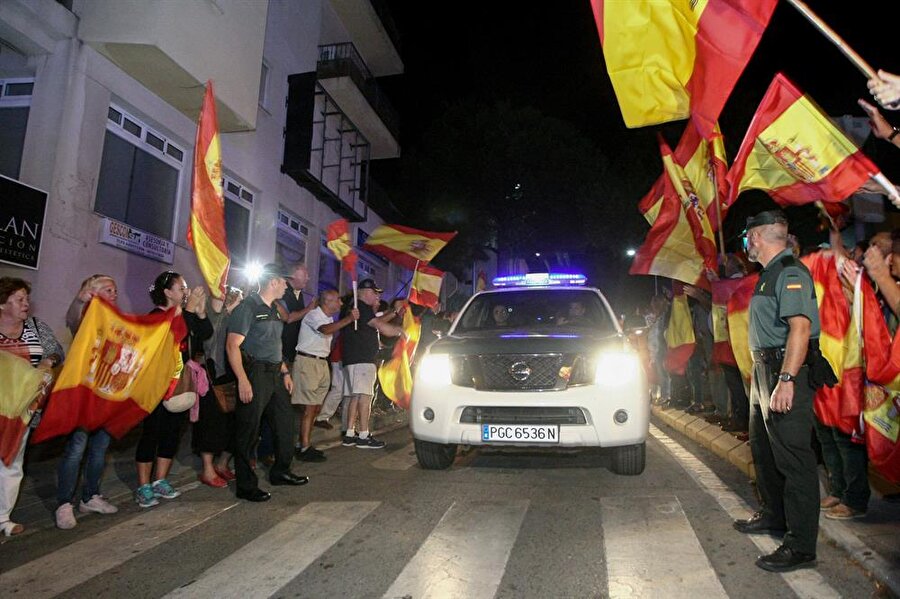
x,y
251,362
820,371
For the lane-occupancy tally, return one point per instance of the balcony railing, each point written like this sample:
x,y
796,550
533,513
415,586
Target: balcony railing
x,y
342,60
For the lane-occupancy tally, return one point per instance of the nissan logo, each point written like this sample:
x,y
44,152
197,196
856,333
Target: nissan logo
x,y
520,371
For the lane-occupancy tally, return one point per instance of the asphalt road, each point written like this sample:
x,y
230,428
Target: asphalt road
x,y
499,523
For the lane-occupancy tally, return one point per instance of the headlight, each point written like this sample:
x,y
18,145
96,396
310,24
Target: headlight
x,y
435,370
618,368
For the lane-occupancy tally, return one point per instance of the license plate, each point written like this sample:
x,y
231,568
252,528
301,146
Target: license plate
x,y
520,433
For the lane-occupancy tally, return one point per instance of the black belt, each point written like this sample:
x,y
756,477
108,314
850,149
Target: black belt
x,y
303,353
768,355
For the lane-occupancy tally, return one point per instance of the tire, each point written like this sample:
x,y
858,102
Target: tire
x,y
630,459
434,456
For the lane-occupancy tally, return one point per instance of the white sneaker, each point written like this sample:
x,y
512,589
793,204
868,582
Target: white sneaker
x,y
65,517
97,504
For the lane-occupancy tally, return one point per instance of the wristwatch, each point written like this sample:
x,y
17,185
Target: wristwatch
x,y
785,377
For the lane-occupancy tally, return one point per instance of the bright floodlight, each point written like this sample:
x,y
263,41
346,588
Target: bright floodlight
x,y
253,271
630,252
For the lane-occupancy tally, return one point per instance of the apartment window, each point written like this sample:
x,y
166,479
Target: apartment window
x,y
238,204
368,270
15,102
291,238
329,267
139,174
264,85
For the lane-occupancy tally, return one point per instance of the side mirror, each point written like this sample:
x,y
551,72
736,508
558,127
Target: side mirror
x,y
439,334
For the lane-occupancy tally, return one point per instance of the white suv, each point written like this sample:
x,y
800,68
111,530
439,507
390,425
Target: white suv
x,y
537,366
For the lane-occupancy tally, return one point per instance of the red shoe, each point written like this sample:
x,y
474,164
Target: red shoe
x,y
225,474
215,481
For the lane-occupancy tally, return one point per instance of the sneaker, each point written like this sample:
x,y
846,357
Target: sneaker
x,y
65,517
369,442
311,455
844,512
323,424
97,504
144,496
829,502
163,488
349,441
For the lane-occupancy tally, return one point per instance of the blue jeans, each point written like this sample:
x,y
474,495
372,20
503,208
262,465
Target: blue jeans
x,y
95,443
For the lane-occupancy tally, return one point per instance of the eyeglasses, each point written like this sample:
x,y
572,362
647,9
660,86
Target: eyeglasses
x,y
744,243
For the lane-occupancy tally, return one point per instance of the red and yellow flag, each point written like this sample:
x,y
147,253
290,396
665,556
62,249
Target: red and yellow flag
x,y
119,368
425,289
206,233
406,246
21,384
396,374
670,59
795,153
722,291
739,323
679,332
338,241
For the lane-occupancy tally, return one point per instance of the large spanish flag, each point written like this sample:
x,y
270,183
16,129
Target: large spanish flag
x,y
722,291
21,384
406,246
795,153
668,59
338,241
118,369
425,288
207,231
679,333
396,374
739,323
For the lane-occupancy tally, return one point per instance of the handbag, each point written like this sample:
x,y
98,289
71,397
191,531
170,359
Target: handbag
x,y
226,396
185,394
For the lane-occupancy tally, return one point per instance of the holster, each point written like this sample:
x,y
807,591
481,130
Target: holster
x,y
820,371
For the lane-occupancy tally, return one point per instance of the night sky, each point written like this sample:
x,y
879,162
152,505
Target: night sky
x,y
547,55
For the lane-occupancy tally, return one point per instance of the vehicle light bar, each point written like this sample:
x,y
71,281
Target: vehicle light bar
x,y
539,279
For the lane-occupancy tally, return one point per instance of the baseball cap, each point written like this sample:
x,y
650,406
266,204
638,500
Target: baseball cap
x,y
369,284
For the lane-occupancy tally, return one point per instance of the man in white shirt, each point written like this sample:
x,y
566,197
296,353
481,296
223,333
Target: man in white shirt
x,y
311,372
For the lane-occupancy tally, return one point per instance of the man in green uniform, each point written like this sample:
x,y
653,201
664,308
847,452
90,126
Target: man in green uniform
x,y
784,325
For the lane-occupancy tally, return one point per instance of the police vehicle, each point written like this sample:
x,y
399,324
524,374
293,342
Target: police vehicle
x,y
540,361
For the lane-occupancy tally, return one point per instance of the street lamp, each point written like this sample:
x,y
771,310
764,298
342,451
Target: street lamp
x,y
630,252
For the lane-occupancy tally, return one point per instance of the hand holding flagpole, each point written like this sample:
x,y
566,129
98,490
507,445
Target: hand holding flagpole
x,y
338,241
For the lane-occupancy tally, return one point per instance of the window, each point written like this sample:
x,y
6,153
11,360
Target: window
x,y
15,100
264,85
291,237
329,267
238,203
139,174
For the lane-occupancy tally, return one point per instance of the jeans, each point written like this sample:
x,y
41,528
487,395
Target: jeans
x,y
96,444
847,464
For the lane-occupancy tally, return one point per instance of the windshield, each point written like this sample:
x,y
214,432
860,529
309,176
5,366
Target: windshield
x,y
537,309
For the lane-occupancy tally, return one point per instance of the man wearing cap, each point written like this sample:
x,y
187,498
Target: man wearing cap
x,y
264,383
360,344
784,320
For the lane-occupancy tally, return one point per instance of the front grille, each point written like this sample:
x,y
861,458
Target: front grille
x,y
521,415
521,372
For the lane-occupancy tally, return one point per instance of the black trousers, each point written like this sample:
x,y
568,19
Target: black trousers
x,y
740,405
270,401
781,444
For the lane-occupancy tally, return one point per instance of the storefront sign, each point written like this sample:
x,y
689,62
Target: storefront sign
x,y
127,238
22,212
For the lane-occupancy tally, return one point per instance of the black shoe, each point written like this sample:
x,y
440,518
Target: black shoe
x,y
758,524
348,441
289,478
785,559
311,455
255,495
323,424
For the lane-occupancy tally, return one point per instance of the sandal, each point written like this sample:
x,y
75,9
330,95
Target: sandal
x,y
215,482
225,473
11,529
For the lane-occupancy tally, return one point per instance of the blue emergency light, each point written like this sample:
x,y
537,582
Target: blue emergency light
x,y
540,279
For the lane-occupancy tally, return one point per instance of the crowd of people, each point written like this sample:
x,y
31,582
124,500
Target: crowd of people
x,y
253,359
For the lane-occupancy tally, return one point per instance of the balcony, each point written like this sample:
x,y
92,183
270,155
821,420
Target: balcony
x,y
344,75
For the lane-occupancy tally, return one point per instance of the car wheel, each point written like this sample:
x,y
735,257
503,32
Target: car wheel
x,y
434,456
630,459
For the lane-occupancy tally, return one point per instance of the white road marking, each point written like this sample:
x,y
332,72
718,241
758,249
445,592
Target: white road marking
x,y
273,559
640,537
805,583
466,553
401,459
77,563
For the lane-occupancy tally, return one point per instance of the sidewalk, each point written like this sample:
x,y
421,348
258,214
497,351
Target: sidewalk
x,y
37,500
873,541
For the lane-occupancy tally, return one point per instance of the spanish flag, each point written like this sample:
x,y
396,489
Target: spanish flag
x,y
795,153
207,231
425,289
119,368
338,241
396,374
722,291
406,246
739,323
670,59
21,384
679,332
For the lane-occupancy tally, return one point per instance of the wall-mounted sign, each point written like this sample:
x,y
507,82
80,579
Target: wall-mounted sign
x,y
22,212
126,237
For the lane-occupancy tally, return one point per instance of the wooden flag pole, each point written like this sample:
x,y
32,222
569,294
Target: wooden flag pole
x,y
857,60
409,291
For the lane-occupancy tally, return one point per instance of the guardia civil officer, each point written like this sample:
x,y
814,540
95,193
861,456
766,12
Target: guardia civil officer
x,y
784,324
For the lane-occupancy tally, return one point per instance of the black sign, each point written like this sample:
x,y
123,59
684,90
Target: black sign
x,y
22,211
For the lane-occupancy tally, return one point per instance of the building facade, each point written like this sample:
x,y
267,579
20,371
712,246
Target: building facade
x,y
98,107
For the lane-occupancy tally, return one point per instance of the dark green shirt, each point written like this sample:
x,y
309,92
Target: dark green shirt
x,y
775,300
261,326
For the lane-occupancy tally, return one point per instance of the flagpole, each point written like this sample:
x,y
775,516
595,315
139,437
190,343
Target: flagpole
x,y
718,201
857,60
355,307
409,291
